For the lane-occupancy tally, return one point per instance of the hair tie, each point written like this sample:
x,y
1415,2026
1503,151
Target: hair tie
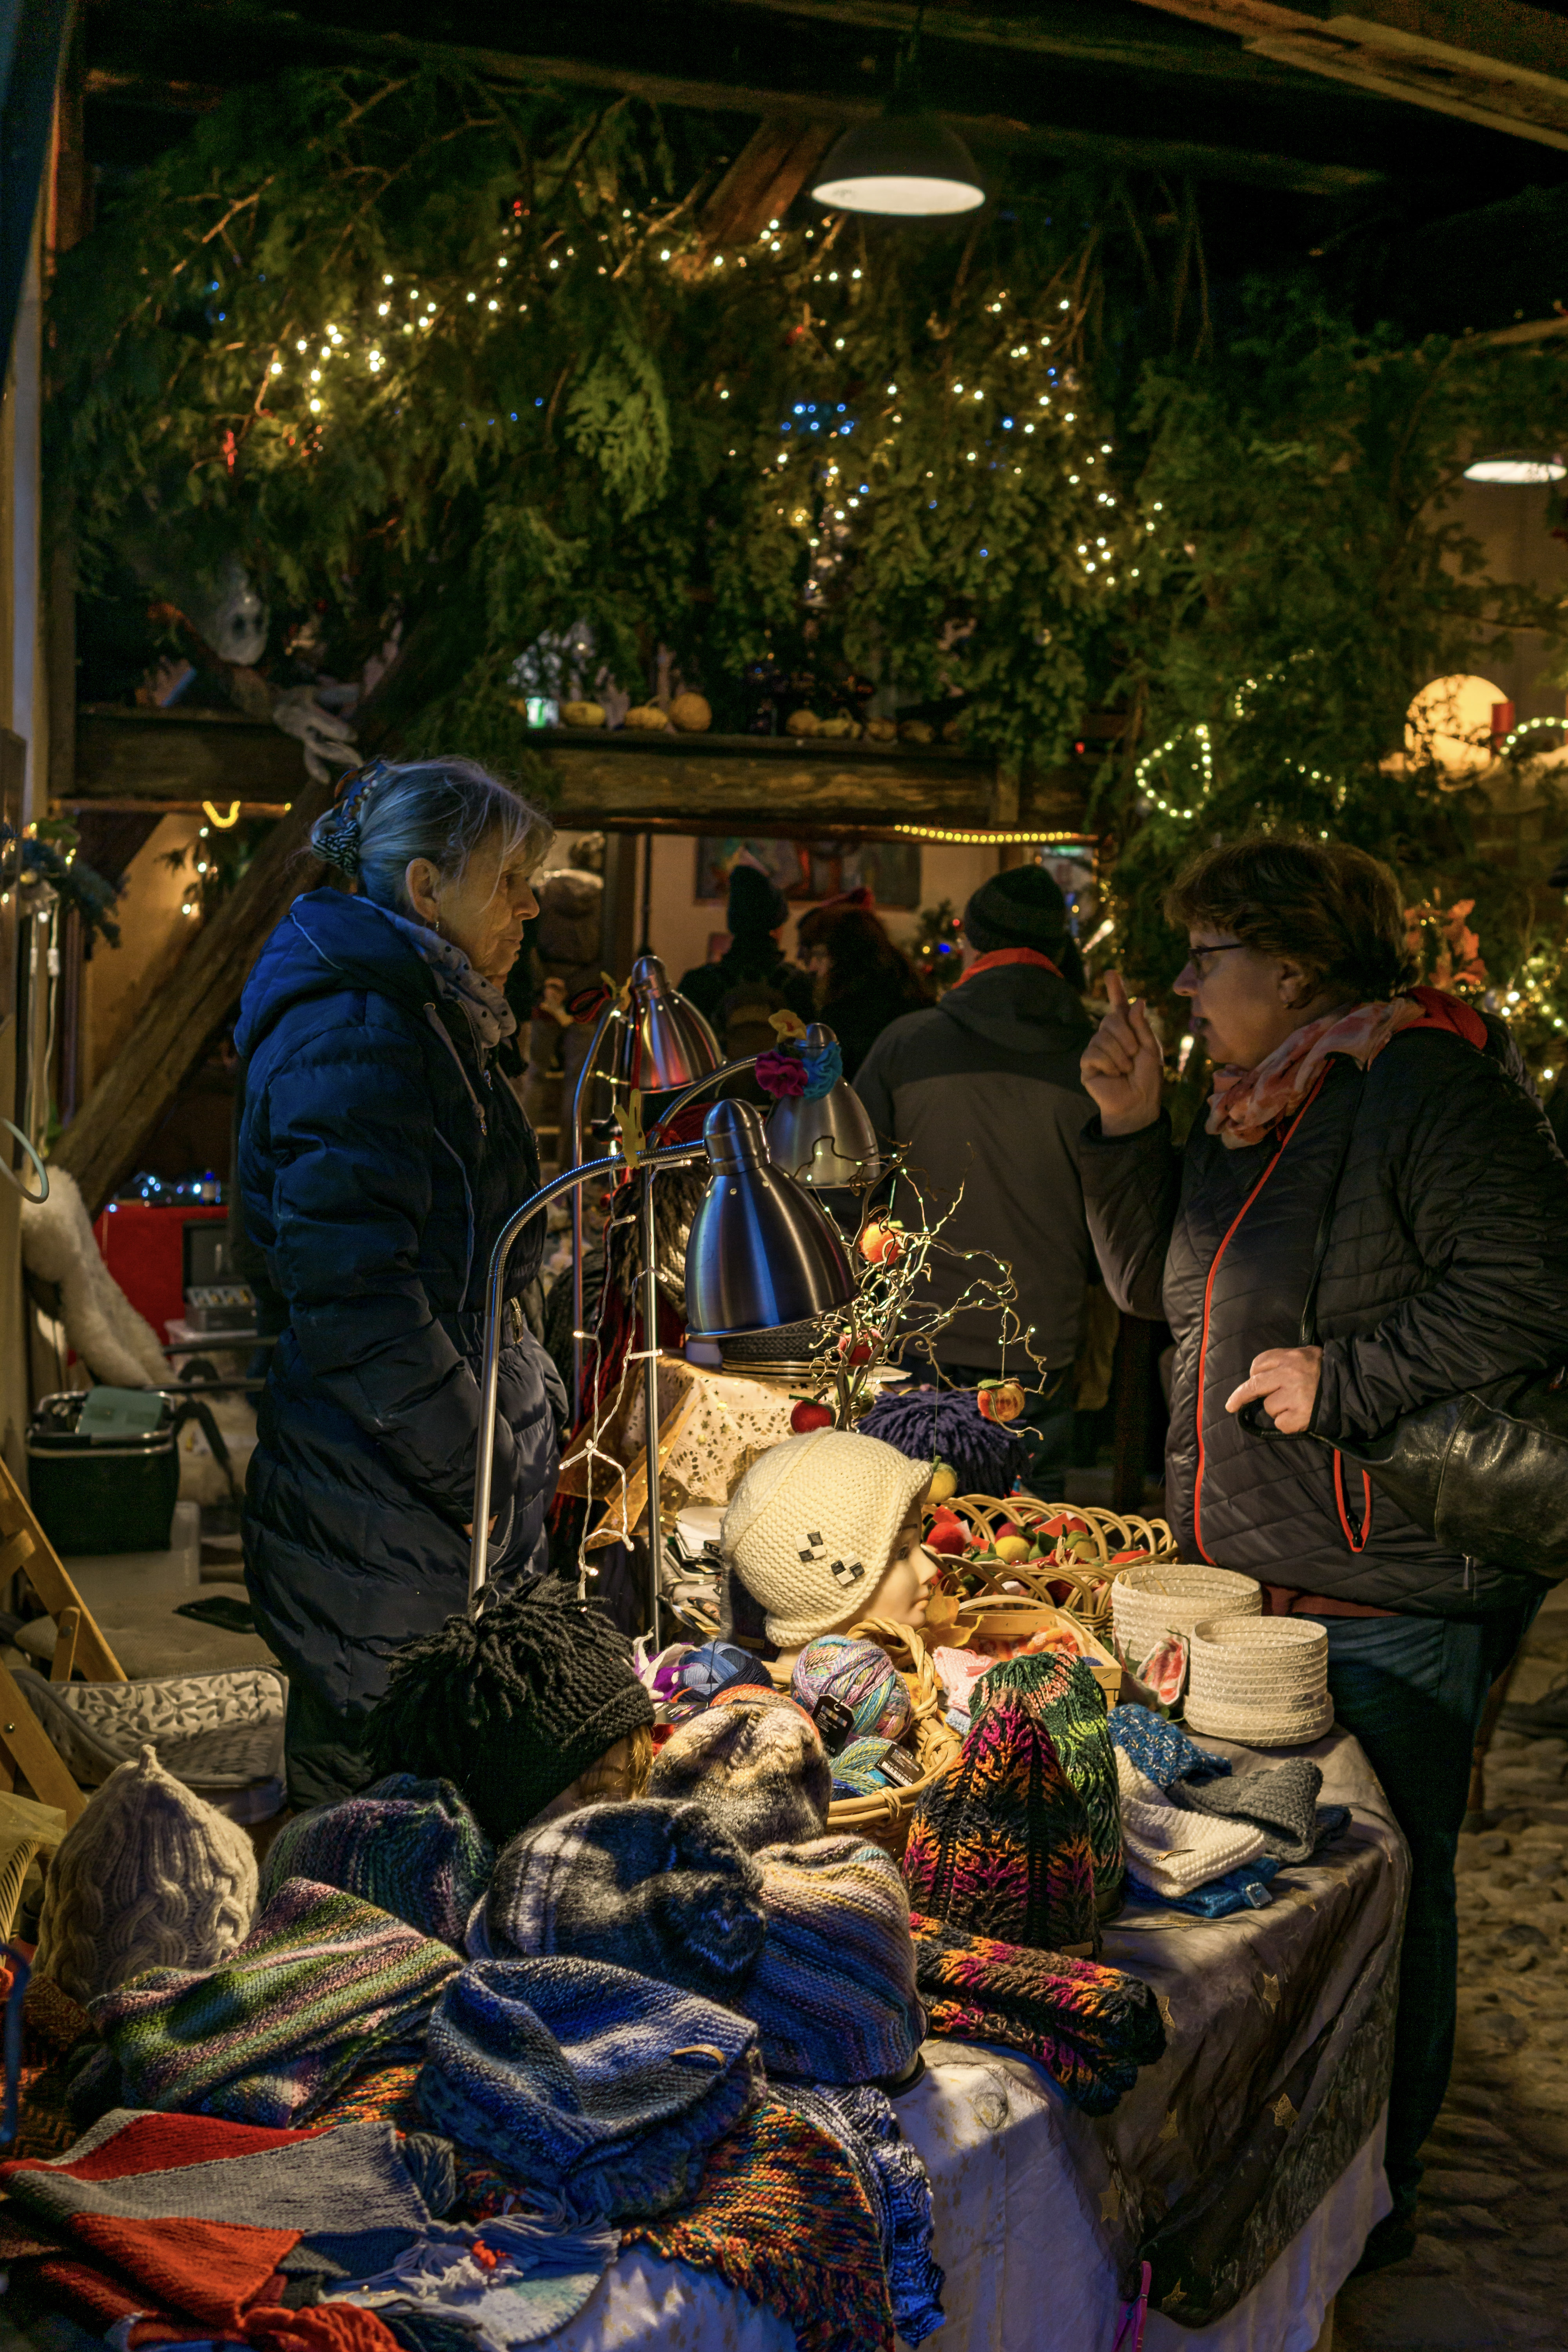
x,y
336,835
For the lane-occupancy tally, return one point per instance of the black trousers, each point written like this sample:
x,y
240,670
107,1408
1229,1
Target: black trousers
x,y
1412,1689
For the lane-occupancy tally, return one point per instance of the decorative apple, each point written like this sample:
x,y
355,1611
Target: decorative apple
x,y
880,1243
1000,1401
1013,1546
807,1414
1065,1523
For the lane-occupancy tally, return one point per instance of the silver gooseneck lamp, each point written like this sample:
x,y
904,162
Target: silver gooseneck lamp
x,y
762,1251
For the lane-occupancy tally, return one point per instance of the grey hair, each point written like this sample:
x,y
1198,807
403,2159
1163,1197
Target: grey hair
x,y
437,809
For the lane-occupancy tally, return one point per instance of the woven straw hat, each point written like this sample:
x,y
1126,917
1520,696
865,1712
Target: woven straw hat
x,y
810,1529
1147,1603
1261,1680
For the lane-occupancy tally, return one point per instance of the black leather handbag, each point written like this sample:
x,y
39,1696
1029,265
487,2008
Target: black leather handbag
x,y
1484,1473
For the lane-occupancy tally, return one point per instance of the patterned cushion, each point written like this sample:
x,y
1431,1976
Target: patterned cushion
x,y
212,1731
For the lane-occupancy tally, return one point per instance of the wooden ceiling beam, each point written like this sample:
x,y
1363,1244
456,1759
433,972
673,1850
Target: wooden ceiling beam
x,y
1491,62
1065,142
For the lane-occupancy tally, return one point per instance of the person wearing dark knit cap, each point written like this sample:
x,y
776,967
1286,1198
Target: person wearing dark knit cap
x,y
753,964
530,1710
984,1089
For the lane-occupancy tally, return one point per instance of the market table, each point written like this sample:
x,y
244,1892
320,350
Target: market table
x,y
1246,2165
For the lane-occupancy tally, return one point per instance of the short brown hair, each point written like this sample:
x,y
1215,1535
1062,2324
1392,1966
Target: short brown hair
x,y
1333,910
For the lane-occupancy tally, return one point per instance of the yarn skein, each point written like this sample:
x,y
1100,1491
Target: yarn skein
x,y
860,1677
150,1877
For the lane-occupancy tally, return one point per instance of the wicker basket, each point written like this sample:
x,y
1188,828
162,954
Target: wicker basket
x,y
884,1819
1147,1603
1088,1599
1012,1617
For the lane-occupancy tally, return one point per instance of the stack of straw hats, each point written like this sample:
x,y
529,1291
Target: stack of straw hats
x,y
1147,1603
1263,1681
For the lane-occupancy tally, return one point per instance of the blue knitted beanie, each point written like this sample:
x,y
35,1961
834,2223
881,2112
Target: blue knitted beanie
x,y
411,1847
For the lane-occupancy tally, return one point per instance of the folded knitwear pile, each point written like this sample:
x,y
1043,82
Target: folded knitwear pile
x,y
411,2089
1201,1837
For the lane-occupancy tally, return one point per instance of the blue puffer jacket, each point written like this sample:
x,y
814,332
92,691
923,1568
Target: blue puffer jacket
x,y
379,1159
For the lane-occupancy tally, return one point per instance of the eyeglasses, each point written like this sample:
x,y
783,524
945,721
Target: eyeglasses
x,y
1197,955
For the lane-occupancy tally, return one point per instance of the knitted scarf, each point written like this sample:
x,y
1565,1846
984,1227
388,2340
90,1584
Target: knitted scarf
x,y
1091,2028
895,2178
783,2215
322,1983
490,1015
1246,1105
1001,1845
187,2220
1281,1802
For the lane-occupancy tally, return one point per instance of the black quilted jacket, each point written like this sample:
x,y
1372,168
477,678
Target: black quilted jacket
x,y
1446,1265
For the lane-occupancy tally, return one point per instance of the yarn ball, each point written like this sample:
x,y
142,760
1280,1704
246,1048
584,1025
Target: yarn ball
x,y
714,1667
947,1425
856,1769
860,1677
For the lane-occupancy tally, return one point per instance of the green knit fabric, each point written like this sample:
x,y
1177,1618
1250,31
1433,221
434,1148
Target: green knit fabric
x,y
1062,1693
323,1984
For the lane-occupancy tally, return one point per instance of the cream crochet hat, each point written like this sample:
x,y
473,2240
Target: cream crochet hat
x,y
150,1877
810,1529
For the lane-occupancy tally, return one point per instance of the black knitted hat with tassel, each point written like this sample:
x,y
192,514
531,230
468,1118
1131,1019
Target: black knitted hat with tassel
x,y
510,1709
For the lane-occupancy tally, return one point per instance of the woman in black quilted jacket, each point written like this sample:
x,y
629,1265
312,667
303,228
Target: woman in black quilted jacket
x,y
1387,1136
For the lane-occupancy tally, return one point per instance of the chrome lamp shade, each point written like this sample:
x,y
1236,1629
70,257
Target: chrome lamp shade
x,y
761,1251
828,1143
664,1042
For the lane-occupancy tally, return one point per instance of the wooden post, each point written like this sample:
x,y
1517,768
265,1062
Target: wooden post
x,y
34,1754
177,1025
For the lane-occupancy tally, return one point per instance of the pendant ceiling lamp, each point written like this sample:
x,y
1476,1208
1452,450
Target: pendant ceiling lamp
x,y
1516,467
905,165
664,1042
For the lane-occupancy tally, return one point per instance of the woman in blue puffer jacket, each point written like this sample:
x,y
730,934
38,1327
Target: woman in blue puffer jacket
x,y
380,1155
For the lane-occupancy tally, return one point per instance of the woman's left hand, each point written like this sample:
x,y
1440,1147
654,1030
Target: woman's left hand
x,y
1286,1379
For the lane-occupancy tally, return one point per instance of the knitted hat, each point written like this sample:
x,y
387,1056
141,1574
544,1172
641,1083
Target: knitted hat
x,y
1001,1845
1169,1851
599,2088
1020,908
1162,1751
759,1769
411,1847
1281,1801
657,1888
834,1993
754,903
1061,1693
1090,2027
509,1708
810,1527
149,1876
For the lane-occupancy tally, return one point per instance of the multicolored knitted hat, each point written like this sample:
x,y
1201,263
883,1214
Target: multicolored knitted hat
x,y
661,1888
598,2087
1061,1693
757,1766
1001,1845
834,1993
411,1847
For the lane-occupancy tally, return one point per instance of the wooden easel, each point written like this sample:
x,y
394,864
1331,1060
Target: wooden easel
x,y
25,1745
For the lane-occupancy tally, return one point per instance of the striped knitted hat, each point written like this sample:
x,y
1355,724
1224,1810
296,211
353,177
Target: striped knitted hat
x,y
759,1767
658,1887
834,1993
1061,1693
1001,1845
411,1847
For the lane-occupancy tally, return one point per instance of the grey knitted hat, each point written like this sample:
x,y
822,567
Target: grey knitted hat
x,y
660,1888
150,1877
758,1767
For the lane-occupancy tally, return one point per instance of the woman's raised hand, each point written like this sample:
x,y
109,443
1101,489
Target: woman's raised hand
x,y
1124,1068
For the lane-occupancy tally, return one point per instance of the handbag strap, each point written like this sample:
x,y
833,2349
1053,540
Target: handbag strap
x,y
1326,1217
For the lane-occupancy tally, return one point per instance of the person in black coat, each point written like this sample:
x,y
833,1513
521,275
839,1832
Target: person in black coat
x,y
1388,1136
380,1155
863,980
757,912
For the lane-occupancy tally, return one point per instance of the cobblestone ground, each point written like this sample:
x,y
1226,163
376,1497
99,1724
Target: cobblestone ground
x,y
1491,2265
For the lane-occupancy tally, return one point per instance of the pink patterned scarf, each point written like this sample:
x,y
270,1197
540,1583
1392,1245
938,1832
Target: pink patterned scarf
x,y
1246,1105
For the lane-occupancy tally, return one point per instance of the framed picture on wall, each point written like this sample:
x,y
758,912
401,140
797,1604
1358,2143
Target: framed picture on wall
x,y
13,772
803,870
